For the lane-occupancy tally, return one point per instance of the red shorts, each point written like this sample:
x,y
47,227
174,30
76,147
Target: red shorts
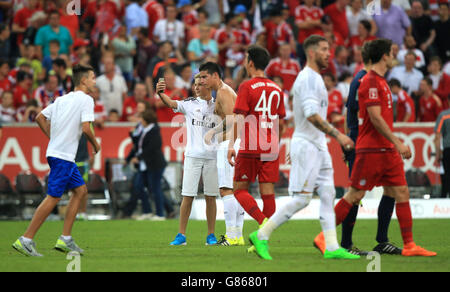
x,y
378,169
247,168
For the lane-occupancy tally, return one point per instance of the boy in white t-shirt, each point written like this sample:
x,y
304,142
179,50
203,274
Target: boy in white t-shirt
x,y
200,160
63,122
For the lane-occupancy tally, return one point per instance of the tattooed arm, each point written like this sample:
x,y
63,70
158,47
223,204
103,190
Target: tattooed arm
x,y
327,128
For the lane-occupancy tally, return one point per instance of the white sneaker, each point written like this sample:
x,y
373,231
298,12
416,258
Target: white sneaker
x,y
158,218
144,217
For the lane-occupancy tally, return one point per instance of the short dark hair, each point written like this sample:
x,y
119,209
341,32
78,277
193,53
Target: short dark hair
x,y
366,24
80,71
394,82
149,116
313,40
22,75
54,41
378,48
211,68
259,56
428,81
365,53
60,63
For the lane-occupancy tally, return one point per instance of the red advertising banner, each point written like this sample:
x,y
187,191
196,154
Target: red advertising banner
x,y
23,148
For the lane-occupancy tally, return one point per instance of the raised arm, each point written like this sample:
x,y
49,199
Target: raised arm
x,y
160,87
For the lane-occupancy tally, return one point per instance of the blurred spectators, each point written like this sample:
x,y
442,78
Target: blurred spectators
x,y
392,22
410,46
430,104
124,47
5,83
170,28
338,16
164,113
284,66
130,104
7,109
355,14
53,31
135,17
22,90
113,88
406,110
203,49
47,93
335,102
65,79
442,26
422,28
408,76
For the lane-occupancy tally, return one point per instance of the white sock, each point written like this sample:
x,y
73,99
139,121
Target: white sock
x,y
240,213
328,217
298,202
66,238
229,210
26,239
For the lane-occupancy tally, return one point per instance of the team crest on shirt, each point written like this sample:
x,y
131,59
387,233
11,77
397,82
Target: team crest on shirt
x,y
373,93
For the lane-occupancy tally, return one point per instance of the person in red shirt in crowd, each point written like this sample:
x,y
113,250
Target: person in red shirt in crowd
x,y
406,109
284,66
240,11
22,90
364,29
155,11
188,13
47,93
430,105
21,20
164,113
79,49
229,35
69,21
308,20
441,80
130,103
335,102
104,14
338,17
5,83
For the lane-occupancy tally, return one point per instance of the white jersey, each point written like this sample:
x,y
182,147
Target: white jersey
x,y
66,115
199,115
310,97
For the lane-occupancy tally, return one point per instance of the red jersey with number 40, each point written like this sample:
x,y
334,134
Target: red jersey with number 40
x,y
260,100
374,91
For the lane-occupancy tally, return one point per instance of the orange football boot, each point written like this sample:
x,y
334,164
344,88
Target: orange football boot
x,y
411,249
319,242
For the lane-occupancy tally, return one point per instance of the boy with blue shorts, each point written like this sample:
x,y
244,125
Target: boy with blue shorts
x,y
63,122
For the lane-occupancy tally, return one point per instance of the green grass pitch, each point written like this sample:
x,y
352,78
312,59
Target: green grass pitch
x,y
125,245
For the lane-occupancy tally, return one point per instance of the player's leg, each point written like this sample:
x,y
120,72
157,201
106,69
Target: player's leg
x,y
395,182
191,178
244,173
83,167
211,214
349,222
385,211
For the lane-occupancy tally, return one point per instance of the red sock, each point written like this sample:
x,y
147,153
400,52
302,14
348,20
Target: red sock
x,y
269,205
342,209
249,204
403,211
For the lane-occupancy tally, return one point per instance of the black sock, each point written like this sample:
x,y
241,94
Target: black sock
x,y
347,227
385,210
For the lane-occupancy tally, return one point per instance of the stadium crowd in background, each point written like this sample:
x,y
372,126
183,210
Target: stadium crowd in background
x,y
132,43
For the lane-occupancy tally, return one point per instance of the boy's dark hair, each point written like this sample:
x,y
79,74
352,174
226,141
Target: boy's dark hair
x,y
259,56
394,82
331,75
211,68
428,81
149,116
378,48
54,41
80,71
22,75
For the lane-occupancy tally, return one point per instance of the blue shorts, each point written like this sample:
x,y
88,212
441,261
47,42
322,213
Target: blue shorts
x,y
64,175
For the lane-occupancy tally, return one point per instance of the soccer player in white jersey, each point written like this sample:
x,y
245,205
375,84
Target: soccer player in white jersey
x,y
199,159
311,167
63,122
210,74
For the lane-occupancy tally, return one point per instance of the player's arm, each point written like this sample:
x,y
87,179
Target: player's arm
x,y
44,124
383,128
160,87
329,129
88,130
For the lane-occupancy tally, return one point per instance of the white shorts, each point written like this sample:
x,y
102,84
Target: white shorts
x,y
310,167
225,171
194,168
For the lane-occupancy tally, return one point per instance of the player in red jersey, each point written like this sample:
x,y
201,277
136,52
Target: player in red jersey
x,y
259,110
379,152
